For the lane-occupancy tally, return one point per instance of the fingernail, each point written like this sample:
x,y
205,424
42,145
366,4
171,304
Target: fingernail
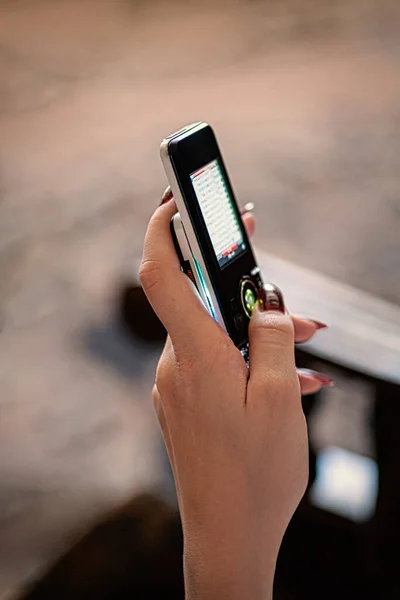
x,y
167,196
270,297
321,377
247,208
318,324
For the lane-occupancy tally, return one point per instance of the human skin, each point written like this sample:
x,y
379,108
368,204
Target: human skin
x,y
236,436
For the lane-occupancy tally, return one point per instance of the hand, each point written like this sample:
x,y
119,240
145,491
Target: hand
x,y
236,438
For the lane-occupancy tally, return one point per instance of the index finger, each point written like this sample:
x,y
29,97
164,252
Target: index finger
x,y
170,292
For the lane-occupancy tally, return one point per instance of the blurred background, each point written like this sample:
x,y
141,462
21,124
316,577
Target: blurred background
x,y
304,97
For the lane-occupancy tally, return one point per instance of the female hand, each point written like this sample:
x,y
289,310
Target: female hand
x,y
236,437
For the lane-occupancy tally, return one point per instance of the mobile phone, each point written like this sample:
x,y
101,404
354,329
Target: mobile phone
x,y
209,236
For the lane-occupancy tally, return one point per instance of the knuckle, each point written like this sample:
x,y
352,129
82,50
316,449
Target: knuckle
x,y
163,377
166,375
150,274
156,398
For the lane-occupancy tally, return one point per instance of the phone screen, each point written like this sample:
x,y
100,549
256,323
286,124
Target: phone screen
x,y
219,213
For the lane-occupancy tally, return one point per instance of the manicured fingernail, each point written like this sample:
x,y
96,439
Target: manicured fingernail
x,y
321,377
167,196
270,297
247,208
318,324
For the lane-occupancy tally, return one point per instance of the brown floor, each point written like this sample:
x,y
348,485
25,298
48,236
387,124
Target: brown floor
x,y
305,104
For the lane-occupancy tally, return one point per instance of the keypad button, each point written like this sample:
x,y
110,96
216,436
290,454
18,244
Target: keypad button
x,y
248,295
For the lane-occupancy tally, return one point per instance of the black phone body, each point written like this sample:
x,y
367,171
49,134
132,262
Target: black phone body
x,y
217,242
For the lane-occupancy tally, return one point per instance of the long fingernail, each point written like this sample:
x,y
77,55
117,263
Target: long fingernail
x,y
247,208
318,324
167,196
321,377
270,297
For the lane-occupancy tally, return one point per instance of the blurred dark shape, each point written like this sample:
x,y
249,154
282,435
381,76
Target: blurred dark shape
x,y
324,555
133,554
120,348
387,517
137,315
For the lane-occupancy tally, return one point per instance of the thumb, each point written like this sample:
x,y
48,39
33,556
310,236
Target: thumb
x,y
271,340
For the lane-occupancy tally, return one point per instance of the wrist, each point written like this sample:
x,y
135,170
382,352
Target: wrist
x,y
228,565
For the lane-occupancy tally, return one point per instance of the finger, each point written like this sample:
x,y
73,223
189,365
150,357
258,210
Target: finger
x,y
171,294
312,382
167,195
271,340
304,329
249,223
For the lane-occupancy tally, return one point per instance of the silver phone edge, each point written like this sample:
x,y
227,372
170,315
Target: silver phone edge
x,y
190,234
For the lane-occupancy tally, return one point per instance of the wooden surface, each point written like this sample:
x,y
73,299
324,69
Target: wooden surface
x,y
364,331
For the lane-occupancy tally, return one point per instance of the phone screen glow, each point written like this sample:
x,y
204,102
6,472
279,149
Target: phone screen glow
x,y
219,212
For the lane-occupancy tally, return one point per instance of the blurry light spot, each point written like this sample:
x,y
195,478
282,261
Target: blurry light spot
x,y
346,484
